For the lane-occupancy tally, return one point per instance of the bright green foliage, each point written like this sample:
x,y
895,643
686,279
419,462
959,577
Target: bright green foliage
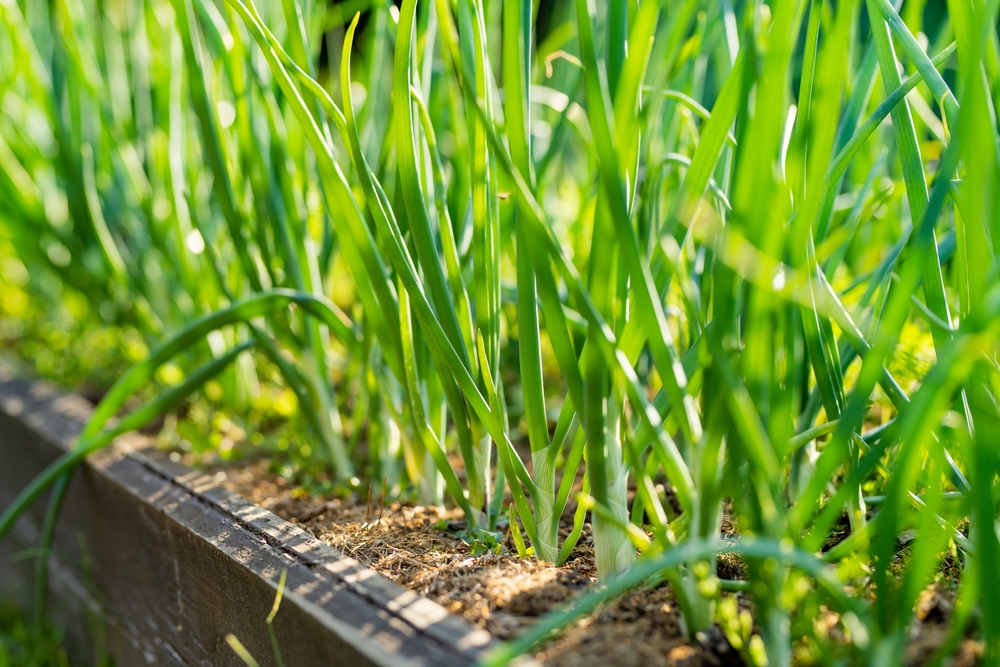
x,y
672,247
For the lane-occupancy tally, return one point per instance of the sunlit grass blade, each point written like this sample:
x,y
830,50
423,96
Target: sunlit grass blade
x,y
94,439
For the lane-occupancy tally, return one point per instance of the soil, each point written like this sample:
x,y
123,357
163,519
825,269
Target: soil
x,y
420,548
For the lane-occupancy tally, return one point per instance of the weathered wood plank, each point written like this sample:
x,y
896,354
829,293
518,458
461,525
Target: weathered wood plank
x,y
176,562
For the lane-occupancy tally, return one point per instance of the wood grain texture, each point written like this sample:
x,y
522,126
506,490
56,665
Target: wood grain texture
x,y
156,563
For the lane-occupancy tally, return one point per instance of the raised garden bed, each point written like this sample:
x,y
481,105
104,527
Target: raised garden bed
x,y
157,563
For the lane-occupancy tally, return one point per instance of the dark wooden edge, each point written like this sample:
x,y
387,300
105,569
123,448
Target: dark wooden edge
x,y
174,562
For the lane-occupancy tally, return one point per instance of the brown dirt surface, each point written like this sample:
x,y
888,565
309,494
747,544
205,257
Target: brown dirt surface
x,y
418,547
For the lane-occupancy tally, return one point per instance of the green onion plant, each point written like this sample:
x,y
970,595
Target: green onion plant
x,y
658,260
